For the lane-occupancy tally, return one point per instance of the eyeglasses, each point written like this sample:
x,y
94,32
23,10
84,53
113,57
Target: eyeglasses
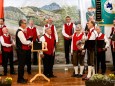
x,y
24,23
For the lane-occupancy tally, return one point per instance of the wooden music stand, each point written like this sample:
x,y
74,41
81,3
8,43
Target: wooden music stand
x,y
39,61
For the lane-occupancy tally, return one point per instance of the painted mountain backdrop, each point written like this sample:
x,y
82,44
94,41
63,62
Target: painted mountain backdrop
x,y
14,14
51,7
40,14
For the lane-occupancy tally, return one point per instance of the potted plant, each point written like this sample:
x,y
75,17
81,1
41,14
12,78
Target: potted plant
x,y
6,82
101,80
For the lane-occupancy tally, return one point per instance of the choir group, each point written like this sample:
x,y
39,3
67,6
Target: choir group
x,y
74,43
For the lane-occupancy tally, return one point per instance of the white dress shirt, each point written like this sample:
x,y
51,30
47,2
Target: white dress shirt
x,y
22,37
36,30
55,32
106,40
42,39
6,44
94,34
63,30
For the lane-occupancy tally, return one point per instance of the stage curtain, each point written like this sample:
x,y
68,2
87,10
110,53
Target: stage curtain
x,y
1,8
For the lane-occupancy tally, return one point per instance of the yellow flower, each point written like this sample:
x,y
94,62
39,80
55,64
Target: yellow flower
x,y
8,78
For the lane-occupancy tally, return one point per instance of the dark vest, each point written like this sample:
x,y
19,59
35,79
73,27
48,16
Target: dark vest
x,y
18,42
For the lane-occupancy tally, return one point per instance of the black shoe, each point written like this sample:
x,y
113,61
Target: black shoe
x,y
52,76
26,80
5,74
113,69
1,74
13,73
22,81
84,77
67,62
103,73
79,76
74,75
29,73
35,63
47,76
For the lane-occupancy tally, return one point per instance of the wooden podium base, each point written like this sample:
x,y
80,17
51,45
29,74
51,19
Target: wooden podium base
x,y
39,67
38,75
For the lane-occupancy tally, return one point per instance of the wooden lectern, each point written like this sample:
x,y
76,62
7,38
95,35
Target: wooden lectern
x,y
39,47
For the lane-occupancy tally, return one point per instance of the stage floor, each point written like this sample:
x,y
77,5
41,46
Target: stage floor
x,y
63,78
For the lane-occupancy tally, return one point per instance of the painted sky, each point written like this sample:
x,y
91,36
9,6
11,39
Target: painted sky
x,y
39,3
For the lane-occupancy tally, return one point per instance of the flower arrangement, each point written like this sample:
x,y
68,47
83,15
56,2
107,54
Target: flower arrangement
x,y
111,76
98,77
101,80
6,82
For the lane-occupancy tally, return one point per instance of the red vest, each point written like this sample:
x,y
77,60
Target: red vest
x,y
25,47
75,39
113,29
1,33
7,39
50,45
101,37
68,30
89,34
32,33
52,29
